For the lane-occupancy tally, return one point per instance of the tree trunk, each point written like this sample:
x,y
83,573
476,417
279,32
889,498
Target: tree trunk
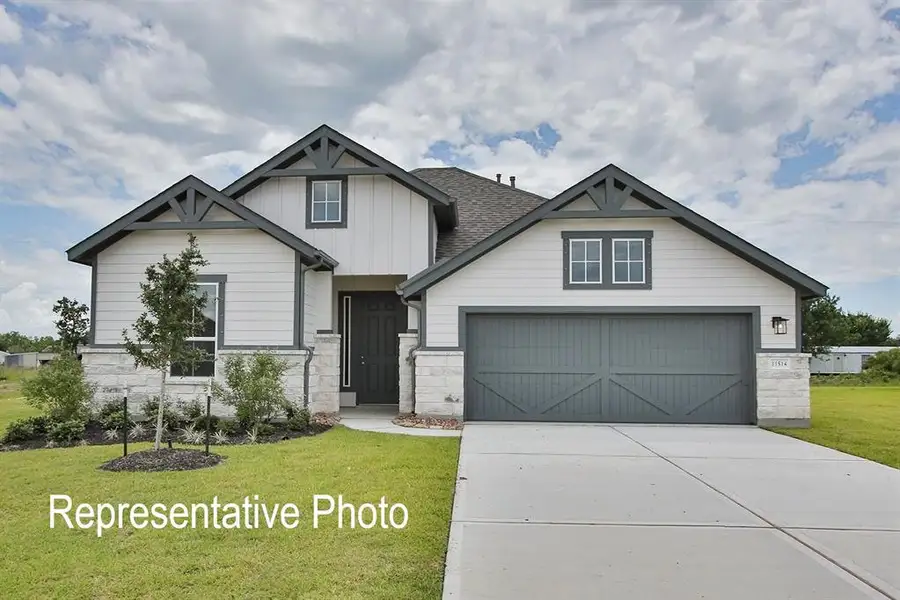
x,y
160,408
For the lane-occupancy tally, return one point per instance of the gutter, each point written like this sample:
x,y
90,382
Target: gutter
x,y
309,349
411,357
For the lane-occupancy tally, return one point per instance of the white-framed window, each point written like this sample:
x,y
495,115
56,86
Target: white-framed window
x,y
326,202
206,340
629,264
585,259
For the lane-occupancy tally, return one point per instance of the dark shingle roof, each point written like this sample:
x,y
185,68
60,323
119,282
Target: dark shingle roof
x,y
484,206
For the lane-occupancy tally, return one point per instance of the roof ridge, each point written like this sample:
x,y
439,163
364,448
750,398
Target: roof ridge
x,y
485,179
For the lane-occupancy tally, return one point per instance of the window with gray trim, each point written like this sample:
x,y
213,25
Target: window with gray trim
x,y
206,339
326,201
628,261
584,261
607,260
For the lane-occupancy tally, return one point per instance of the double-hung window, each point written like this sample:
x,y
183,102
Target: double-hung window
x,y
326,203
628,261
585,260
206,338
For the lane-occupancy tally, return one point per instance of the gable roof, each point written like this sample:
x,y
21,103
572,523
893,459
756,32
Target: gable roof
x,y
443,205
806,285
175,198
484,206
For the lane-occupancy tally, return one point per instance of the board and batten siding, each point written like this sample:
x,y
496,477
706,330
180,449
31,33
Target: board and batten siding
x,y
687,270
259,293
387,224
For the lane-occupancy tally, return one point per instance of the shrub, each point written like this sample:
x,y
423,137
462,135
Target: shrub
x,y
220,437
867,377
254,387
66,432
228,426
171,418
108,408
189,435
264,429
23,430
191,410
138,430
200,422
60,389
115,420
299,421
886,362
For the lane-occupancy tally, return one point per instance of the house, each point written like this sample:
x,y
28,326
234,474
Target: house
x,y
447,293
844,359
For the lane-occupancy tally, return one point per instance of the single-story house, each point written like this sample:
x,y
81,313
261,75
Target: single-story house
x,y
844,359
443,292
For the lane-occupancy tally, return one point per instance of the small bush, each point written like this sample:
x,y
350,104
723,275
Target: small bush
x,y
66,432
254,386
264,429
111,435
228,426
189,435
172,420
864,378
24,430
138,430
60,389
115,420
191,410
887,362
200,422
220,437
299,421
108,408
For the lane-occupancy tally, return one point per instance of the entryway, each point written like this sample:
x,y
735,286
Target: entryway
x,y
369,324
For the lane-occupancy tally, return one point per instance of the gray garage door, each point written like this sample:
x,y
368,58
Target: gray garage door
x,y
628,368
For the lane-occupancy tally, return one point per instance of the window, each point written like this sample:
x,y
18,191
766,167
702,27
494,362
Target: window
x,y
326,203
585,261
628,261
607,260
206,340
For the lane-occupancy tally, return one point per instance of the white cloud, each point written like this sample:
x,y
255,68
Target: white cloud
x,y
690,96
10,31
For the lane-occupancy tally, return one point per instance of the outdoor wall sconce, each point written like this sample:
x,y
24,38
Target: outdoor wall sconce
x,y
779,324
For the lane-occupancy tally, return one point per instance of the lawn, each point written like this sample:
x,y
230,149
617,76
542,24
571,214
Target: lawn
x,y
12,405
862,421
327,562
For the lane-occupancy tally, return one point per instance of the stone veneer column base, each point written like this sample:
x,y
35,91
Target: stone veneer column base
x,y
407,341
325,374
782,389
440,383
111,369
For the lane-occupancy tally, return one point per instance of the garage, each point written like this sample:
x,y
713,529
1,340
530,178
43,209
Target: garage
x,y
630,368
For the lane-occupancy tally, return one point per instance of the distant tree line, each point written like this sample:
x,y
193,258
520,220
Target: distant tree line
x,y
826,324
72,325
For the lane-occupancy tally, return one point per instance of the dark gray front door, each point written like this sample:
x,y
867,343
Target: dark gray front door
x,y
611,368
376,318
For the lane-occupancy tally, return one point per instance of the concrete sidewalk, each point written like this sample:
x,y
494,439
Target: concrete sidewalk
x,y
674,512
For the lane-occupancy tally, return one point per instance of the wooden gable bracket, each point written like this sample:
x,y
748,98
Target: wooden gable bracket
x,y
324,154
190,207
609,200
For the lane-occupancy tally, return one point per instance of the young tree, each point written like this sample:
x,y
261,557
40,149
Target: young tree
x,y
173,313
824,324
72,323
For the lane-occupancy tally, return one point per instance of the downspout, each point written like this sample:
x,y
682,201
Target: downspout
x,y
309,349
411,357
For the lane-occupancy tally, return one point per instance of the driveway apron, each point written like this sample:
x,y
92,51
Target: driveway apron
x,y
674,512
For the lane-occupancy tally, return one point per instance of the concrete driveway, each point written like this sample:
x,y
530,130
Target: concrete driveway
x,y
674,512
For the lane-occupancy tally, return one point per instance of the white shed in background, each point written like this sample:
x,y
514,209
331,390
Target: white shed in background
x,y
844,359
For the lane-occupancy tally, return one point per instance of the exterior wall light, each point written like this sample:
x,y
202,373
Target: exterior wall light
x,y
779,324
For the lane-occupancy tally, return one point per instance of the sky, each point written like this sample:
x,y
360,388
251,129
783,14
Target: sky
x,y
778,119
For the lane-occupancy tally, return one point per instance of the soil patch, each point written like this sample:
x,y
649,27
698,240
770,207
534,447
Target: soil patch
x,y
427,422
165,459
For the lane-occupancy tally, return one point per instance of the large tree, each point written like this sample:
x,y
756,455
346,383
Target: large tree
x,y
173,312
14,342
824,324
862,329
71,323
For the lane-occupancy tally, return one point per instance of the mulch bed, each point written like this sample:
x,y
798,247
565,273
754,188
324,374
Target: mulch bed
x,y
164,459
94,436
427,422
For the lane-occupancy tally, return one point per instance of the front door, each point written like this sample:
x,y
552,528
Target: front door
x,y
371,355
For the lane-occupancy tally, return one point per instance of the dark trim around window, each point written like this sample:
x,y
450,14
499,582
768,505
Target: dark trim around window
x,y
606,256
345,188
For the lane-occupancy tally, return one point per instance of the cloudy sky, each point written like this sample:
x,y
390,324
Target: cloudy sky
x,y
780,119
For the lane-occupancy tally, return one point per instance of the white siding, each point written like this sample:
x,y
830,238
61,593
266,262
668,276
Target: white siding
x,y
688,270
316,304
259,293
387,224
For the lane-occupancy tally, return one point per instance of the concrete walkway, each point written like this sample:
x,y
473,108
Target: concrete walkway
x,y
379,418
675,512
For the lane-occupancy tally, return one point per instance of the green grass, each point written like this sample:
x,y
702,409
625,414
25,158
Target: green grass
x,y
12,405
327,562
862,421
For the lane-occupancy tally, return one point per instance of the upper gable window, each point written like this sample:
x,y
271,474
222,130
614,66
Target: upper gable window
x,y
607,260
628,261
326,203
